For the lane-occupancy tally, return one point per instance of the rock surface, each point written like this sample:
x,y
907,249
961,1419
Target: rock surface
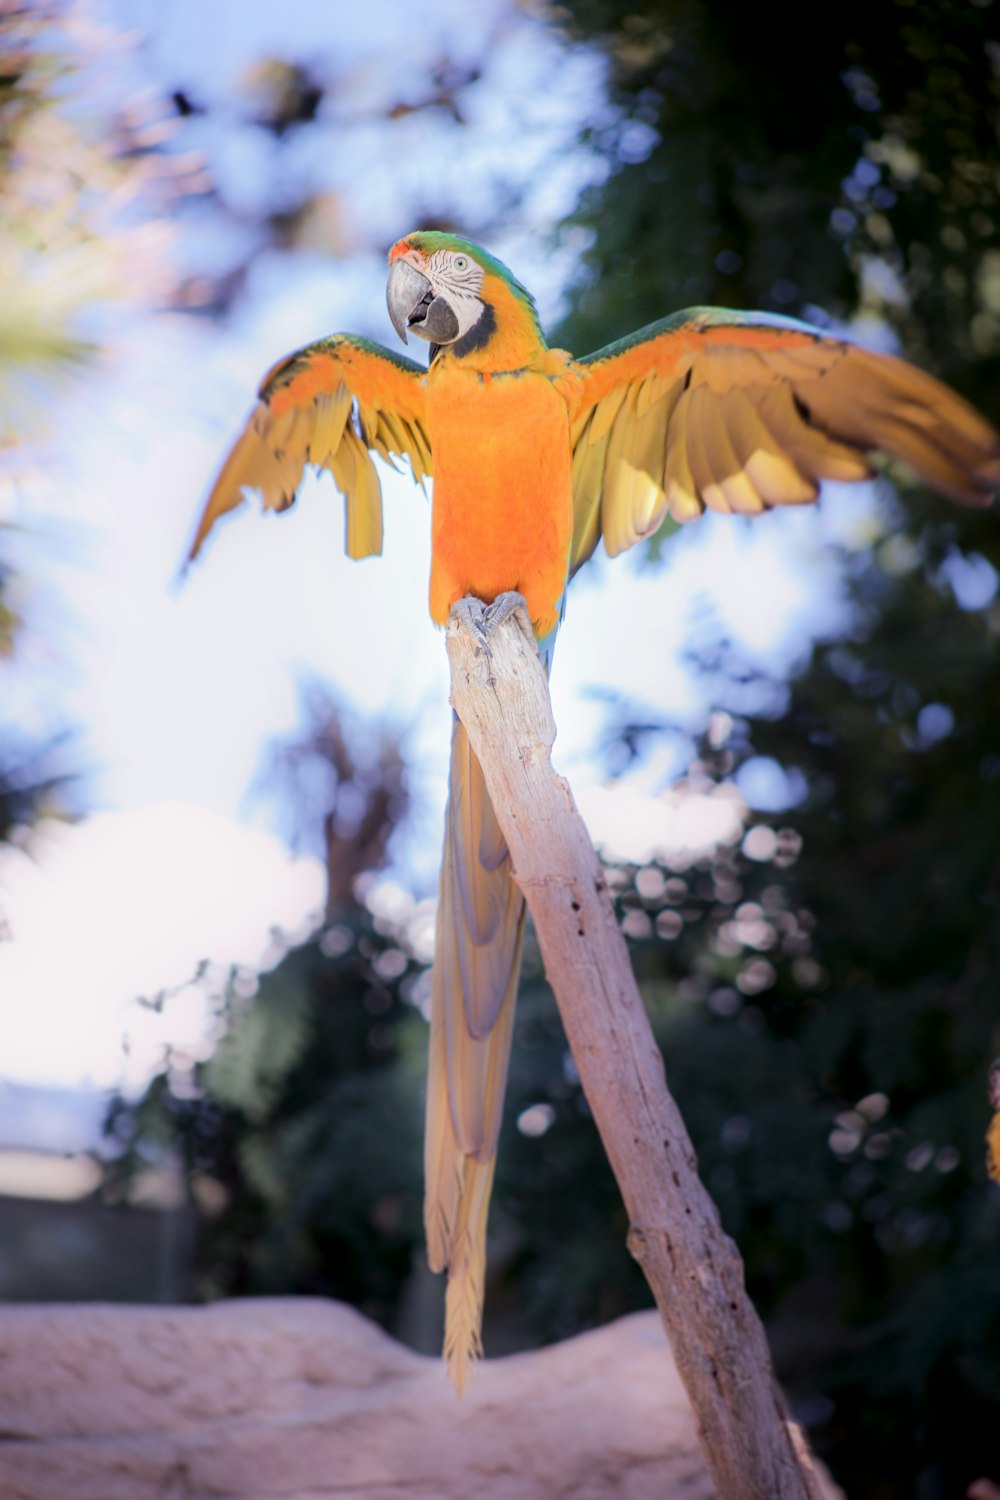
x,y
306,1400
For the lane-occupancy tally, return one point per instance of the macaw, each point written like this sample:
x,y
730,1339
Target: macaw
x,y
535,457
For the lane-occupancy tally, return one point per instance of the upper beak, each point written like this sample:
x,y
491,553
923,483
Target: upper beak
x,y
404,292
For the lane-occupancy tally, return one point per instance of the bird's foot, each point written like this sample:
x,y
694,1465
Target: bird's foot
x,y
480,619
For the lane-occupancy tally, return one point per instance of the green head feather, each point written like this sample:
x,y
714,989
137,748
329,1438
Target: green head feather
x,y
430,240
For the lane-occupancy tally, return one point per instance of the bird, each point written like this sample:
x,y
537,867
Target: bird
x,y
536,456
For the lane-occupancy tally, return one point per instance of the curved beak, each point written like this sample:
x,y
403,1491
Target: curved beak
x,y
405,291
413,304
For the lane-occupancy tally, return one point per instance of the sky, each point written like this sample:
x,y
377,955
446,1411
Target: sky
x,y
177,689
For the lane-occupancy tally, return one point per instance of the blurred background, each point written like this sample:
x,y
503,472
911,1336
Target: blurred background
x,y
221,797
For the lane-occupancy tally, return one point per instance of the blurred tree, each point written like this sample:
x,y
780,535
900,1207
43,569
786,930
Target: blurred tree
x,y
836,1088
80,232
84,194
344,786
822,990
340,143
750,170
300,1138
32,784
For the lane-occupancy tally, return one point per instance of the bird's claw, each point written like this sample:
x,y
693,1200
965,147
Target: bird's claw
x,y
481,619
470,613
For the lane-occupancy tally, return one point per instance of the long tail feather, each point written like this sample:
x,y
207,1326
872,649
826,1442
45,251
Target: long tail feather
x,y
463,1307
477,963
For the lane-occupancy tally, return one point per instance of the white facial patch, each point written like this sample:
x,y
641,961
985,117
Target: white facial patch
x,y
459,278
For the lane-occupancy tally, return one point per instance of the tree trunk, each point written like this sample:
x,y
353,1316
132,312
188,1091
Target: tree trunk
x,y
752,1448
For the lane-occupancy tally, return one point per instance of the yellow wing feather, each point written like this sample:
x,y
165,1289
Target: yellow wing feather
x,y
737,413
328,406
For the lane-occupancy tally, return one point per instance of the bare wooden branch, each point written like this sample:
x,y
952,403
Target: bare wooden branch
x,y
753,1450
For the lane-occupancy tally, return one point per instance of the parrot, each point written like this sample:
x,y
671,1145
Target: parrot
x,y
535,457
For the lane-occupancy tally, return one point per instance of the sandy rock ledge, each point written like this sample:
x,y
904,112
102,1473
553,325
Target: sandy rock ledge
x,y
306,1400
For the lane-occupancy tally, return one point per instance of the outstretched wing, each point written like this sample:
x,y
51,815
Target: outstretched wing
x,y
330,405
740,412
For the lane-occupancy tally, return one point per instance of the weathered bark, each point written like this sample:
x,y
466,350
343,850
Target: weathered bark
x,y
753,1450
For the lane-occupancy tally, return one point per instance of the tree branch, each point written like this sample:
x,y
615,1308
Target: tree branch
x,y
752,1448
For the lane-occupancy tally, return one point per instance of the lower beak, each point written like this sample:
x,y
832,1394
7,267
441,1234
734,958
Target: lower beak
x,y
405,290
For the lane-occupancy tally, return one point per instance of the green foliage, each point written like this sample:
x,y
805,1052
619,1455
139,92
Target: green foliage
x,y
300,1137
839,1110
835,1084
79,204
752,165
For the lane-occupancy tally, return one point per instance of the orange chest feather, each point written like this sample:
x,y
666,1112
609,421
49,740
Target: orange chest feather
x,y
503,508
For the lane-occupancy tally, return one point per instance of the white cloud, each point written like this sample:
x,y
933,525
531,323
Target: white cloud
x,y
125,904
679,826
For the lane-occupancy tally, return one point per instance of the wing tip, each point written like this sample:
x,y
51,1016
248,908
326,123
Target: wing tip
x,y
218,506
205,525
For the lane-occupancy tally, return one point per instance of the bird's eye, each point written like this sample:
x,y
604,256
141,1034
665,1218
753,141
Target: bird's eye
x,y
461,263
